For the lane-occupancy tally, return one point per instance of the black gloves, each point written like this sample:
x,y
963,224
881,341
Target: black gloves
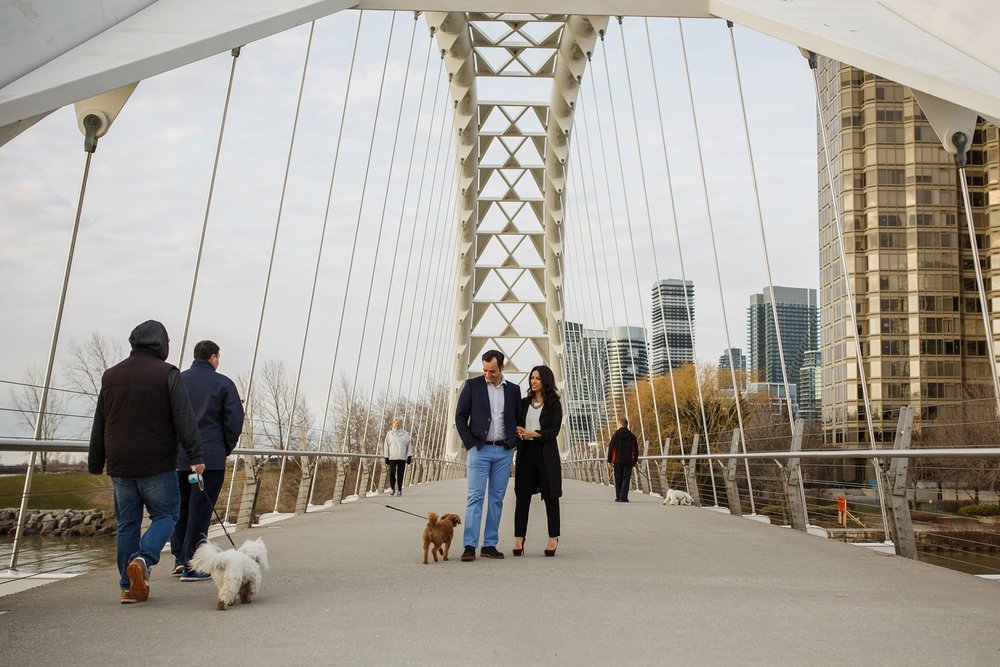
x,y
387,460
409,459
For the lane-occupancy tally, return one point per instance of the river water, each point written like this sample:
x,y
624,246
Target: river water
x,y
59,555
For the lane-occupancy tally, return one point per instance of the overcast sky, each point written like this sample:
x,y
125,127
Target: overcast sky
x,y
149,182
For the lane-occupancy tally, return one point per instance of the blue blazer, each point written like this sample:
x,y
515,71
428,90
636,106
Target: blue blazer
x,y
473,415
219,411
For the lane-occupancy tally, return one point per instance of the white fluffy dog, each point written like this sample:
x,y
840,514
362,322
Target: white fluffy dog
x,y
677,497
236,572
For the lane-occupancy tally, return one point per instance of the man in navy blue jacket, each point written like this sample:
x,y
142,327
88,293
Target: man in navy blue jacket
x,y
219,412
486,419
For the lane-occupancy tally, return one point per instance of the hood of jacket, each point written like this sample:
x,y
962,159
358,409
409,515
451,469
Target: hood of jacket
x,y
150,336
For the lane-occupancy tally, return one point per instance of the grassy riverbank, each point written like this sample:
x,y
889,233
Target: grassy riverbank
x,y
59,490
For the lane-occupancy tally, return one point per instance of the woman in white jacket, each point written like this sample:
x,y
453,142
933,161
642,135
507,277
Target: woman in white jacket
x,y
398,452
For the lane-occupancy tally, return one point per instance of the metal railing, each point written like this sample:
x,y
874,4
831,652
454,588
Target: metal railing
x,y
329,478
967,526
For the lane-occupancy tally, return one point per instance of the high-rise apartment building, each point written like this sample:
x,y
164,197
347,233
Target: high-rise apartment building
x,y
586,358
627,362
799,324
739,359
671,301
908,255
810,378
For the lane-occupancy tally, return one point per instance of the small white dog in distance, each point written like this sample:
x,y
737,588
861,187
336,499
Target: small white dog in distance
x,y
236,572
677,497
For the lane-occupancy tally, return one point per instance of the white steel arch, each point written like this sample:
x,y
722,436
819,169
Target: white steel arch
x,y
511,171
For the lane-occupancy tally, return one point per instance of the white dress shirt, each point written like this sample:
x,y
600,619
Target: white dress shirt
x,y
497,427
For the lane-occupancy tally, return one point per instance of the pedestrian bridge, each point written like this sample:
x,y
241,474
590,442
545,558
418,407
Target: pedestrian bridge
x,y
631,584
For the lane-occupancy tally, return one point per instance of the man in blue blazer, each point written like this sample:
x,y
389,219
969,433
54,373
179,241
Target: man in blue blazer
x,y
486,419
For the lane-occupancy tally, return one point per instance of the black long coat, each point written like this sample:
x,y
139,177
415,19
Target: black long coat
x,y
543,449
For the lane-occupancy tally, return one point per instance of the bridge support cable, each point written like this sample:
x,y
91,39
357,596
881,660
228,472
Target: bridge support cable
x,y
427,272
760,227
961,141
838,231
454,38
619,271
357,229
378,246
652,244
598,267
424,274
321,247
715,252
399,234
420,266
274,241
444,337
291,412
433,274
631,238
432,332
427,444
582,286
315,279
680,257
399,372
576,42
93,126
435,431
582,387
208,204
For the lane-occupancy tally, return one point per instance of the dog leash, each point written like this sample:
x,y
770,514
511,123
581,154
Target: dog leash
x,y
196,478
405,512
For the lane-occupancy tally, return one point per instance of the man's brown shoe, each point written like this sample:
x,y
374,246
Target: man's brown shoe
x,y
490,552
127,598
469,553
138,577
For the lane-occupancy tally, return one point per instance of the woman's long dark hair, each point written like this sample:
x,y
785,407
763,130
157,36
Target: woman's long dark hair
x,y
549,393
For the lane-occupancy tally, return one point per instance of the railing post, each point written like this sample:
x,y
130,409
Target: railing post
x,y
903,539
691,475
338,486
302,500
732,489
644,482
244,516
799,518
662,468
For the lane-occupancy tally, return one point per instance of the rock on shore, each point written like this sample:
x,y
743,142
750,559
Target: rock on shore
x,y
60,523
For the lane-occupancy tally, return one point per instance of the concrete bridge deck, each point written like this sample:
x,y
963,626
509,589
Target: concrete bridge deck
x,y
631,584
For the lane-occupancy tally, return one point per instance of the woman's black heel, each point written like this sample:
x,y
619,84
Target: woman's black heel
x,y
552,552
519,552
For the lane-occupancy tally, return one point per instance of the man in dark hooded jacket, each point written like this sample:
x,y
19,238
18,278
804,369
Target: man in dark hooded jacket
x,y
623,452
142,412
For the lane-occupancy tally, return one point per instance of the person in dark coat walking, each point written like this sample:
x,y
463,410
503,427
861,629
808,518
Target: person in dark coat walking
x,y
538,468
623,453
142,412
219,412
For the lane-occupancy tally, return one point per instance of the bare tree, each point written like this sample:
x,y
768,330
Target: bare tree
x,y
87,362
27,398
270,421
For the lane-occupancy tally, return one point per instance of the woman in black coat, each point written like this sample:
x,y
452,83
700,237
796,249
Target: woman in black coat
x,y
539,418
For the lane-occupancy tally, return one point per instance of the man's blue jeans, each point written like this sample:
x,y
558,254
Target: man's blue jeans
x,y
159,495
488,472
